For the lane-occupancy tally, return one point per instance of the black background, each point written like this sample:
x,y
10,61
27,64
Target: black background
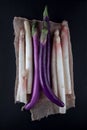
x,y
75,12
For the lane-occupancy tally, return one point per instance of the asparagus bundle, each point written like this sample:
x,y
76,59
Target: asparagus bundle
x,y
43,91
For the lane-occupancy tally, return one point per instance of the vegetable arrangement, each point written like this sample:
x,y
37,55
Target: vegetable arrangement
x,y
44,75
43,59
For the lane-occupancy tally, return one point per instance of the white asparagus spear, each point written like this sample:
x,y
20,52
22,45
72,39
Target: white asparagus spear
x,y
60,72
70,59
29,56
21,93
54,68
65,53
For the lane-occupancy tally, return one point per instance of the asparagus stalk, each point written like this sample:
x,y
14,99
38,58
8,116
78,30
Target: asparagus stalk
x,y
54,68
29,56
65,52
21,93
60,72
48,46
36,85
42,70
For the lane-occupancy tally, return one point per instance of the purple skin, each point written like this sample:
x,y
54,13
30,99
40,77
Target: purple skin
x,y
42,70
48,46
36,85
46,89
43,62
48,54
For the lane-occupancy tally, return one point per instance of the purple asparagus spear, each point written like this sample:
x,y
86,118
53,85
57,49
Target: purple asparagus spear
x,y
42,69
48,46
36,85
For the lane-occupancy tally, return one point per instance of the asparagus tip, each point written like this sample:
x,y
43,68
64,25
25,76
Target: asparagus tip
x,y
45,13
56,33
34,24
43,37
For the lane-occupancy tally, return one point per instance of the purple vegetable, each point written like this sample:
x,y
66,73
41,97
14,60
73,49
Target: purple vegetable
x,y
42,71
36,85
48,46
43,40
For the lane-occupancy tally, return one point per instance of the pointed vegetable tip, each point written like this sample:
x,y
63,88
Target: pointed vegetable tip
x,y
34,27
45,13
43,37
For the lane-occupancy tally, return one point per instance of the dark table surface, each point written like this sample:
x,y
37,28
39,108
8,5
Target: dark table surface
x,y
75,12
